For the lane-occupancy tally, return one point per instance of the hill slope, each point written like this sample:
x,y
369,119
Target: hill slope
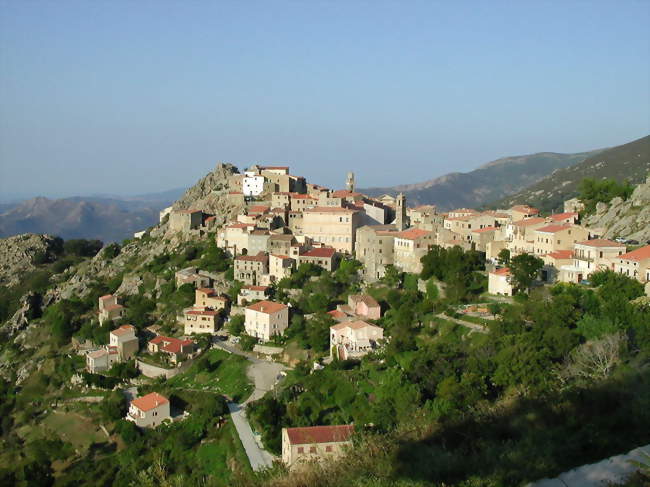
x,y
628,161
489,182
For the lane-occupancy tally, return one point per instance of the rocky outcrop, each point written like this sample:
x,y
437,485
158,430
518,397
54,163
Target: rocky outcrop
x,y
629,219
19,253
210,194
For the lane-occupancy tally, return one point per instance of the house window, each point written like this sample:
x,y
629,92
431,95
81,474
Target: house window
x,y
301,449
312,449
328,448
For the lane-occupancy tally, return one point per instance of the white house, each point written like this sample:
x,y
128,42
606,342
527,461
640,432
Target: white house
x,y
265,319
252,184
149,411
499,282
354,339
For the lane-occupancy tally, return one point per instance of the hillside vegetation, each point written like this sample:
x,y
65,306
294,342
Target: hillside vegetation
x,y
628,162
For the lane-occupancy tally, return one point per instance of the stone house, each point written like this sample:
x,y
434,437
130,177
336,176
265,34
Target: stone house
x,y
252,184
149,411
110,309
594,255
520,212
520,235
425,217
200,321
233,238
374,249
177,349
185,220
301,202
265,319
280,243
635,264
248,294
209,298
365,306
125,342
568,217
333,226
191,275
101,360
315,443
554,263
409,247
280,266
250,268
482,236
499,282
258,241
550,238
325,257
354,339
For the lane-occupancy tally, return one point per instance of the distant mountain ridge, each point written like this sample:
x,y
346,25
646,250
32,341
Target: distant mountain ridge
x,y
105,219
485,184
629,161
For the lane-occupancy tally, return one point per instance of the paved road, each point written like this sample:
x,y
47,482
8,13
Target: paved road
x,y
466,324
263,374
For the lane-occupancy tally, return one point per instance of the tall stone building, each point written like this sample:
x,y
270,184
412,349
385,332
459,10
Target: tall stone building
x,y
350,182
400,212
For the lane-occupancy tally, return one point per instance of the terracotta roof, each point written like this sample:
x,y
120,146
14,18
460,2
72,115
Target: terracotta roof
x,y
564,216
123,330
525,209
268,307
344,193
240,225
202,312
457,218
330,209
210,218
320,434
412,233
561,254
275,167
335,313
486,229
298,196
600,242
106,296
150,401
97,353
171,344
529,221
355,325
504,271
554,228
364,298
256,288
279,256
639,254
258,209
325,252
111,307
261,257
207,290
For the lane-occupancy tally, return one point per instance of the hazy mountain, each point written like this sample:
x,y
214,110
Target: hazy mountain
x,y
629,161
97,218
487,183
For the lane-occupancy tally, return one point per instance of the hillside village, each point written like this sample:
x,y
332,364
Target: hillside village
x,y
280,280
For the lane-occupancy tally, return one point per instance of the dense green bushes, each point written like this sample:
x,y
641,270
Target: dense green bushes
x,y
594,191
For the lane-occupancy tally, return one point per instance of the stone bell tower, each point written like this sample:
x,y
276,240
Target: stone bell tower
x,y
349,182
400,212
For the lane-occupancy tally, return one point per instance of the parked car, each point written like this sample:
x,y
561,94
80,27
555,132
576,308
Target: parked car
x,y
632,242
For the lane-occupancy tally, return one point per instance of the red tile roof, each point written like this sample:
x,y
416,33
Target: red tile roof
x,y
561,254
355,325
171,344
207,290
412,233
150,401
256,288
554,228
486,229
324,252
202,312
639,254
329,209
335,313
261,257
364,298
344,193
320,434
529,221
275,167
525,209
112,307
106,296
600,242
504,271
123,330
268,307
564,216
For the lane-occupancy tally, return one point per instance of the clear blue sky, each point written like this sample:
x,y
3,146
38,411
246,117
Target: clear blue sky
x,y
132,97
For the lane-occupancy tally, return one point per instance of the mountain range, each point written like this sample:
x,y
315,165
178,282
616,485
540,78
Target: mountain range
x,y
485,184
107,218
629,162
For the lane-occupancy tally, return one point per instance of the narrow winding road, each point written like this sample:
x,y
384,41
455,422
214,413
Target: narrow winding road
x,y
264,376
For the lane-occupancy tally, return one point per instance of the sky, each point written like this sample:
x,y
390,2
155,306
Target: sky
x,y
130,97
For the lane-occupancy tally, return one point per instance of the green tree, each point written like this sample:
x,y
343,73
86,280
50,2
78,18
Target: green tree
x,y
524,269
504,257
236,325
